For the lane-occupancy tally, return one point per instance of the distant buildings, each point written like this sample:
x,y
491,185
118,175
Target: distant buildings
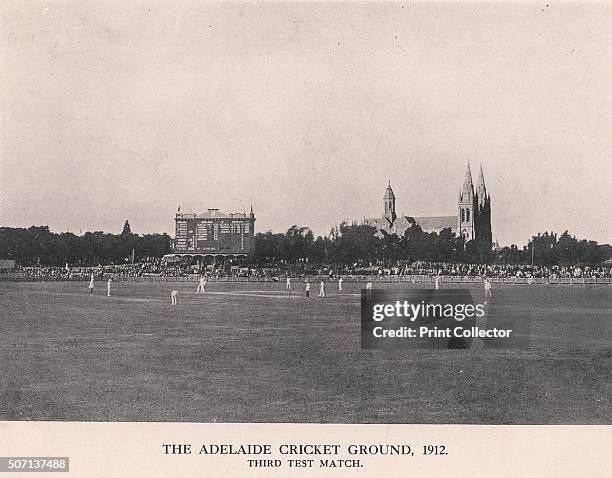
x,y
215,235
472,220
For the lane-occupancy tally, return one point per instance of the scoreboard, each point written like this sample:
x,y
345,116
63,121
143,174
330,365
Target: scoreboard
x,y
215,232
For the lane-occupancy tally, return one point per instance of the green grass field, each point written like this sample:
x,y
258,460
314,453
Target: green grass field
x,y
246,353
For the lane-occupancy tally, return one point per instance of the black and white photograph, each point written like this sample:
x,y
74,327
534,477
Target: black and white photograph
x,y
306,212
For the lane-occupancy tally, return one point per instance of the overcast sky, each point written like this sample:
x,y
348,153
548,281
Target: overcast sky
x,y
124,110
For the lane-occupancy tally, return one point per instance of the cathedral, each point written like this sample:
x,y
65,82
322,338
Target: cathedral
x,y
472,221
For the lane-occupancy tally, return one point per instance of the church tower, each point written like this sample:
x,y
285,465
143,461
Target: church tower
x,y
483,213
467,207
389,202
474,209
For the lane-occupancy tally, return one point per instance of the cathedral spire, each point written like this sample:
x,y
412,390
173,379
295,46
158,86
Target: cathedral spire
x,y
468,175
467,191
481,182
480,178
481,189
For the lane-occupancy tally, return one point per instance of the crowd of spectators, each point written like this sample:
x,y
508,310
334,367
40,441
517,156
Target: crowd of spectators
x,y
504,270
275,271
420,268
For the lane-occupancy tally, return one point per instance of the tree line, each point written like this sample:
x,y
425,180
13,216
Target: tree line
x,y
345,244
549,249
348,243
38,245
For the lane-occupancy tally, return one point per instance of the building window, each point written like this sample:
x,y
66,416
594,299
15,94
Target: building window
x,y
462,215
467,215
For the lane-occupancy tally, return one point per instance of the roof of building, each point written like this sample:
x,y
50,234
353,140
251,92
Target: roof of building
x,y
212,214
437,222
426,222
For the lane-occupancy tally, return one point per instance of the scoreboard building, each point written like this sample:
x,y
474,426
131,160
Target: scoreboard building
x,y
214,234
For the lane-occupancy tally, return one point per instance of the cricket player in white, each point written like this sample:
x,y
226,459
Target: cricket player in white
x,y
307,289
173,296
200,289
340,284
322,289
108,287
487,289
288,286
91,284
437,282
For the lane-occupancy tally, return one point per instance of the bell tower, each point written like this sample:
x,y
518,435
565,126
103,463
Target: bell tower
x,y
389,202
